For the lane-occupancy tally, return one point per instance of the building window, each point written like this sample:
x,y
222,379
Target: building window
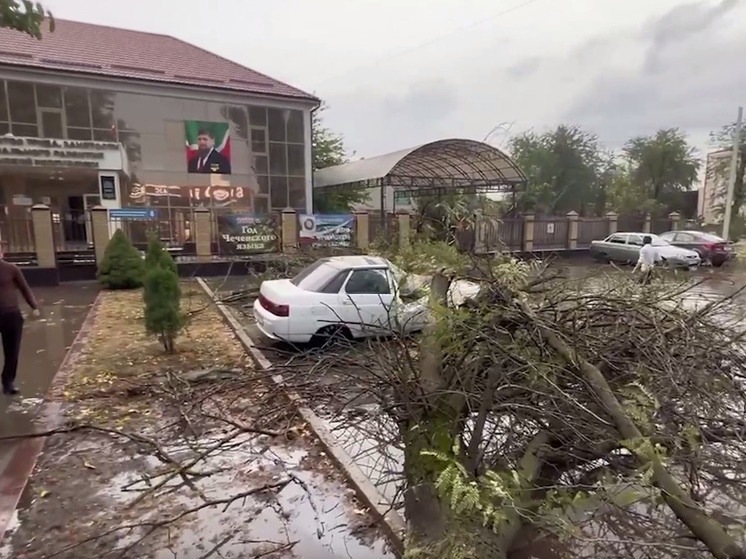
x,y
259,140
296,160
77,108
295,127
49,96
278,194
277,122
258,116
278,164
22,103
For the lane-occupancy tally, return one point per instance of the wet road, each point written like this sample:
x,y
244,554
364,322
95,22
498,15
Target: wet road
x,y
45,343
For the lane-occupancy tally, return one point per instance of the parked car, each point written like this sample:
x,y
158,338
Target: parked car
x,y
711,248
355,296
625,248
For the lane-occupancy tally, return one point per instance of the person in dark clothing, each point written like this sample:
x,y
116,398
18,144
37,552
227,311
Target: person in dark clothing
x,y
208,159
11,319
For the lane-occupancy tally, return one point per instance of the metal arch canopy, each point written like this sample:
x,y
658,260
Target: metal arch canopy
x,y
441,166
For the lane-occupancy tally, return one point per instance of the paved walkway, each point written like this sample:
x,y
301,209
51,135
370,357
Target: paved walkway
x,y
45,343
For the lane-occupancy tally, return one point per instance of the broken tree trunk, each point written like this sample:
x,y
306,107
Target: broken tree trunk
x,y
711,533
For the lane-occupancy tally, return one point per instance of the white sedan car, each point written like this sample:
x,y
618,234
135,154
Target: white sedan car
x,y
357,296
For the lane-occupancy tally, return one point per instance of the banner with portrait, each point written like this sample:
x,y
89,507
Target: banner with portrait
x,y
208,147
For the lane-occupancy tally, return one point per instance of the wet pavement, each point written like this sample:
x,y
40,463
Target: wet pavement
x,y
45,343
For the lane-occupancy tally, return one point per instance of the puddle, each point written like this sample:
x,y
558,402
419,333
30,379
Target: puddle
x,y
313,517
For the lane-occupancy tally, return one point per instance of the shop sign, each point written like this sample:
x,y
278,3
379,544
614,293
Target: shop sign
x,y
197,195
38,152
326,230
244,234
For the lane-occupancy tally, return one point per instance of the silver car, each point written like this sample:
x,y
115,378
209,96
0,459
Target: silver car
x,y
625,248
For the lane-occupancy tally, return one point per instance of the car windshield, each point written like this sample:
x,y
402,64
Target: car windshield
x,y
315,276
658,242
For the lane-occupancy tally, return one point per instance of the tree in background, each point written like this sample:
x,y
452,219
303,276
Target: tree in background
x,y
566,168
122,266
162,295
662,167
329,150
25,16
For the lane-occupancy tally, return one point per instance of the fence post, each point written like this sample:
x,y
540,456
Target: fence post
x,y
612,218
572,230
404,225
101,231
41,223
528,232
647,226
203,233
675,218
362,230
289,230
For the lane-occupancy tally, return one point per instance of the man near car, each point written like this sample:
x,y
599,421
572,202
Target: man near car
x,y
11,319
647,259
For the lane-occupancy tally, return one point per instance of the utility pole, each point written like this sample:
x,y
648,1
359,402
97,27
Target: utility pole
x,y
732,176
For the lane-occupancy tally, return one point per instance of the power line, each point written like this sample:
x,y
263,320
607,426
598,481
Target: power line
x,y
431,41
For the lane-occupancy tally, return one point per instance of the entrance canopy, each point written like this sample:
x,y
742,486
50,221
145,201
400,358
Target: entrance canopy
x,y
443,166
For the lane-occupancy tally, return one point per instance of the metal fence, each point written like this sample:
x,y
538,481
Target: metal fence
x,y
659,226
630,223
381,228
592,229
551,233
17,235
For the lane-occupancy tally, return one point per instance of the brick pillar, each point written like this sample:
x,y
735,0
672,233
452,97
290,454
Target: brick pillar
x,y
572,230
362,230
528,232
612,218
647,226
405,222
41,222
675,218
202,233
289,228
101,231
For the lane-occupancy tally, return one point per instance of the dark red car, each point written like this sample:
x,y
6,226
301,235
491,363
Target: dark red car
x,y
711,248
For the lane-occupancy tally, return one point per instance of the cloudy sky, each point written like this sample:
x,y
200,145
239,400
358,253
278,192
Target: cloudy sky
x,y
396,74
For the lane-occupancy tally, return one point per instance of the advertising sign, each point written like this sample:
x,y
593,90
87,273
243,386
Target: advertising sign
x,y
240,234
321,230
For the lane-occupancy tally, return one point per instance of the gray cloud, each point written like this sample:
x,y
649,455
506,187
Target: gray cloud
x,y
423,102
524,68
695,83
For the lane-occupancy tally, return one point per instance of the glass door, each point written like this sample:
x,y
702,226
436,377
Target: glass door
x,y
90,201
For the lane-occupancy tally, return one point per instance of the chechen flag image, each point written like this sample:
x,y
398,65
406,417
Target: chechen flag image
x,y
208,147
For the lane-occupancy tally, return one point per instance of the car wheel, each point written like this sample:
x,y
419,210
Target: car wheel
x,y
717,261
330,335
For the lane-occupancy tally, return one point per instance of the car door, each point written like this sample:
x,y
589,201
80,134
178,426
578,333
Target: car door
x,y
366,301
632,248
616,246
685,240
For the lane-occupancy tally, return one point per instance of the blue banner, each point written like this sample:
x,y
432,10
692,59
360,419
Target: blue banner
x,y
326,230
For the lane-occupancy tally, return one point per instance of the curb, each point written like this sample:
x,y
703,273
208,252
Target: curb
x,y
388,518
17,472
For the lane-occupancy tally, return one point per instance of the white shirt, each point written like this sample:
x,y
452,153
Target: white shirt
x,y
648,256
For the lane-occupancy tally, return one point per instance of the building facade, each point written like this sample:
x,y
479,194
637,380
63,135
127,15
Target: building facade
x,y
712,194
93,115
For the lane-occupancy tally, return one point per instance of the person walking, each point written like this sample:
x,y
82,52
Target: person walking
x,y
11,319
647,259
